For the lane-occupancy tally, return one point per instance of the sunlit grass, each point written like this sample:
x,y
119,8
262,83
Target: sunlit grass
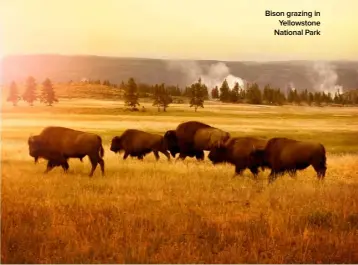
x,y
176,212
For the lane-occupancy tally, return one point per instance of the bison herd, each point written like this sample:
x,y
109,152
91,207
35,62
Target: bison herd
x,y
281,155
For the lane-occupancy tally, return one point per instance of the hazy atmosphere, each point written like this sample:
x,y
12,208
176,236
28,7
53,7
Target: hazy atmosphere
x,y
220,30
177,131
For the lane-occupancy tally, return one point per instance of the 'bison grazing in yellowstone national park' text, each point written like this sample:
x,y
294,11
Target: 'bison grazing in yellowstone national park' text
x,y
237,151
194,137
57,144
287,155
139,143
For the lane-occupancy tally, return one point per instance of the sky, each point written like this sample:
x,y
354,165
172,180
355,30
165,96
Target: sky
x,y
177,29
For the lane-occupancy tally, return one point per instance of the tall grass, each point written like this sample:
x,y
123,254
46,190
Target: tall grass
x,y
172,212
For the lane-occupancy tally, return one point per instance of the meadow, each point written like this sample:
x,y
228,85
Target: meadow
x,y
179,211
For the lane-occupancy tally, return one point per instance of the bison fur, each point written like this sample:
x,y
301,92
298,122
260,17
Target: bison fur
x,y
283,155
237,151
58,144
137,143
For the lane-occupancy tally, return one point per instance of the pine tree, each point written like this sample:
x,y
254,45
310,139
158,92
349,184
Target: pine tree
x,y
14,94
30,92
224,92
161,97
197,95
48,94
234,93
131,94
215,92
253,94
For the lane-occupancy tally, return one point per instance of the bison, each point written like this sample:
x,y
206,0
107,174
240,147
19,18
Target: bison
x,y
192,138
237,151
58,144
173,146
138,143
287,155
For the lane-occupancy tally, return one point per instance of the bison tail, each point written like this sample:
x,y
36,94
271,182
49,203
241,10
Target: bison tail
x,y
101,151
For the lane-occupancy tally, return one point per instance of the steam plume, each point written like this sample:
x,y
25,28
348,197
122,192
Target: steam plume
x,y
326,78
214,76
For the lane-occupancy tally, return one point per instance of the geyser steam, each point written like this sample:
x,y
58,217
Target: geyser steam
x,y
213,77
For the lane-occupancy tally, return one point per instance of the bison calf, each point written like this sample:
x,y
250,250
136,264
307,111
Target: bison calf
x,y
58,144
139,143
287,155
237,151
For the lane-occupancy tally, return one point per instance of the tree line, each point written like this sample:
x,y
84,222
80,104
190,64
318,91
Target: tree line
x,y
30,95
162,94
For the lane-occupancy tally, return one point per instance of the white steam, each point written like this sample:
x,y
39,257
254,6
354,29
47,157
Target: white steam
x,y
326,78
214,76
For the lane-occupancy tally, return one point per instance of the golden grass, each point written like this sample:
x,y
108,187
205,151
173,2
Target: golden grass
x,y
171,212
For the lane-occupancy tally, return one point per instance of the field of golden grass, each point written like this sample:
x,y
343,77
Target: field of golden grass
x,y
178,212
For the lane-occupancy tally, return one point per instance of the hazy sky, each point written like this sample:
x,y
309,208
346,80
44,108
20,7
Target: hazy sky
x,y
195,29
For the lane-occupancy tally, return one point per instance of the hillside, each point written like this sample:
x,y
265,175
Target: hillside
x,y
299,74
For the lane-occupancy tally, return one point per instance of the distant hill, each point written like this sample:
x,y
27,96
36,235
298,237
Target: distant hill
x,y
299,74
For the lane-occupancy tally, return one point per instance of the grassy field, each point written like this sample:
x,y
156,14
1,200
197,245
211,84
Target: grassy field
x,y
178,212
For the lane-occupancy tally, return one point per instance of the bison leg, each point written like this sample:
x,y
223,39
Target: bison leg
x,y
50,166
156,155
272,176
65,166
101,164
125,155
238,171
94,162
182,156
254,171
199,156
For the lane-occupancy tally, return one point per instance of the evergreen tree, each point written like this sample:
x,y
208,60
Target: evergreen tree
x,y
310,98
131,94
197,91
48,94
161,97
253,94
215,92
234,93
224,92
30,91
14,94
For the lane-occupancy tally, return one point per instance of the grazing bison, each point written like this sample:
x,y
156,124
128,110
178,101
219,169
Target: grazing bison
x,y
237,151
173,146
287,155
138,143
58,144
193,137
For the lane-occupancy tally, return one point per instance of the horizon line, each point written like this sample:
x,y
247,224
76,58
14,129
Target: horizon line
x,y
173,59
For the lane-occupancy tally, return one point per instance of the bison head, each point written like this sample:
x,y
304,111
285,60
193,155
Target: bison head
x,y
218,155
258,155
116,144
35,147
171,142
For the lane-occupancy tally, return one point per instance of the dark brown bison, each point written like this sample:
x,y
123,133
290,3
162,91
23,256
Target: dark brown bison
x,y
237,151
287,155
173,146
193,137
58,144
138,143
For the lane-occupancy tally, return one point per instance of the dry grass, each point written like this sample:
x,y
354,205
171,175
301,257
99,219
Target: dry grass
x,y
176,212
